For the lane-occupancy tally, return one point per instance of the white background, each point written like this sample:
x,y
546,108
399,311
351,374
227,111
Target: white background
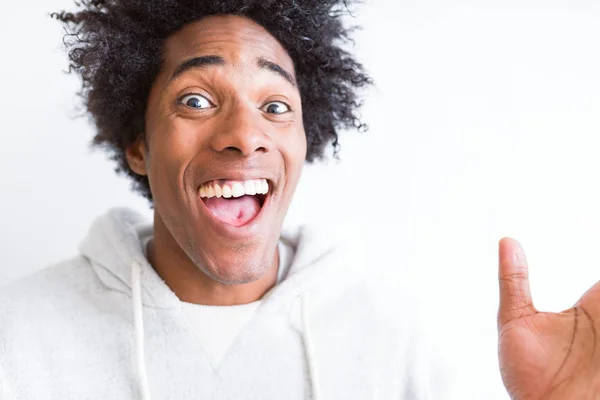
x,y
484,123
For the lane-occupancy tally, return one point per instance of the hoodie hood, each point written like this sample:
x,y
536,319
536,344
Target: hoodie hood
x,y
319,271
86,327
326,259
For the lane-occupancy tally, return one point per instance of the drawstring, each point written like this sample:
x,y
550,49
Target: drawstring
x,y
136,299
310,352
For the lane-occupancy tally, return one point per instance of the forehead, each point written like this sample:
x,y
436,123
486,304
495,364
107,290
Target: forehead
x,y
238,40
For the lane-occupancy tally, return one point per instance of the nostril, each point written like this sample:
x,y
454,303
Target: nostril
x,y
238,150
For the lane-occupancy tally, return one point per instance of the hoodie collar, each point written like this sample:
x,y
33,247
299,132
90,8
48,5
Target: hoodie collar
x,y
327,259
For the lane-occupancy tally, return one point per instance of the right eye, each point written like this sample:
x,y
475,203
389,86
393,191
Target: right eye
x,y
196,101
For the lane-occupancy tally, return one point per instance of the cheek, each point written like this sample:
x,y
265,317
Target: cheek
x,y
298,147
173,145
294,150
181,137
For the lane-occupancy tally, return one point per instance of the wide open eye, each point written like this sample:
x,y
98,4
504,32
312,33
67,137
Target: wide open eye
x,y
276,107
195,100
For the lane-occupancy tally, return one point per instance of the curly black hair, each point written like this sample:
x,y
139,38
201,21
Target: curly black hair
x,y
115,46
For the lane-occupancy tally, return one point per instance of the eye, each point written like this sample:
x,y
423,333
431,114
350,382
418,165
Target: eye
x,y
276,107
195,100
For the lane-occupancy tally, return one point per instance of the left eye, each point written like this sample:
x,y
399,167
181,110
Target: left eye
x,y
276,107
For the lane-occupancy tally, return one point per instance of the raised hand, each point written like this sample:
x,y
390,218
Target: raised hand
x,y
543,355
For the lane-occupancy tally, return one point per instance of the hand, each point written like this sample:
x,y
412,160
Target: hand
x,y
545,356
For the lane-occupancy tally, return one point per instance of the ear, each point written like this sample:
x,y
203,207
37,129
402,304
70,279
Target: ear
x,y
137,156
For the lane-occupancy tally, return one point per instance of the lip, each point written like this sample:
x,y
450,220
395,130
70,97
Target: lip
x,y
246,231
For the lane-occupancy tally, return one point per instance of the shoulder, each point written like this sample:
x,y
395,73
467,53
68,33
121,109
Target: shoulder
x,y
384,327
46,292
65,274
48,314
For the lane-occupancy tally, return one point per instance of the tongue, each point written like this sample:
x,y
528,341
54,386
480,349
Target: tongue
x,y
234,211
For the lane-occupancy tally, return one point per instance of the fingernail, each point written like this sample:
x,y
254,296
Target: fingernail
x,y
519,258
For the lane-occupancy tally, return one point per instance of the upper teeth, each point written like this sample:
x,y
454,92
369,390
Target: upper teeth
x,y
234,188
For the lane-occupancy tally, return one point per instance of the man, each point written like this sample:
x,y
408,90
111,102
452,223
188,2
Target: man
x,y
212,108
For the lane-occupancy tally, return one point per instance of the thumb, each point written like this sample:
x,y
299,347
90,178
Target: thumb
x,y
513,275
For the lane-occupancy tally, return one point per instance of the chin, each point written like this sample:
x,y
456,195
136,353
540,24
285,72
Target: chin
x,y
235,270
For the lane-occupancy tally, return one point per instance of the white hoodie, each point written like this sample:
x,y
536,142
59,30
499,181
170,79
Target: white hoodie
x,y
104,325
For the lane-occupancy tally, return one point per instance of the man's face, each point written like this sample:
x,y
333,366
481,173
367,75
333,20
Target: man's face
x,y
225,145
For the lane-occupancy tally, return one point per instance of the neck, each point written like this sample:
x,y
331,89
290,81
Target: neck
x,y
191,285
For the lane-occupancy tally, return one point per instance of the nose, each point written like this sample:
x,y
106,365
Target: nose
x,y
241,131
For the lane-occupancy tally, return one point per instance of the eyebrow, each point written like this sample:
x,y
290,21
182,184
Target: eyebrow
x,y
197,62
208,61
273,67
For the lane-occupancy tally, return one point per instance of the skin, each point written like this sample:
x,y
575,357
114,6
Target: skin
x,y
543,355
229,133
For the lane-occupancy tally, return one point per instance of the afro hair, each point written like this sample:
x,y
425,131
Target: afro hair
x,y
115,46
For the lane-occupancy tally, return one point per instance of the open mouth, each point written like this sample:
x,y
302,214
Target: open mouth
x,y
235,203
